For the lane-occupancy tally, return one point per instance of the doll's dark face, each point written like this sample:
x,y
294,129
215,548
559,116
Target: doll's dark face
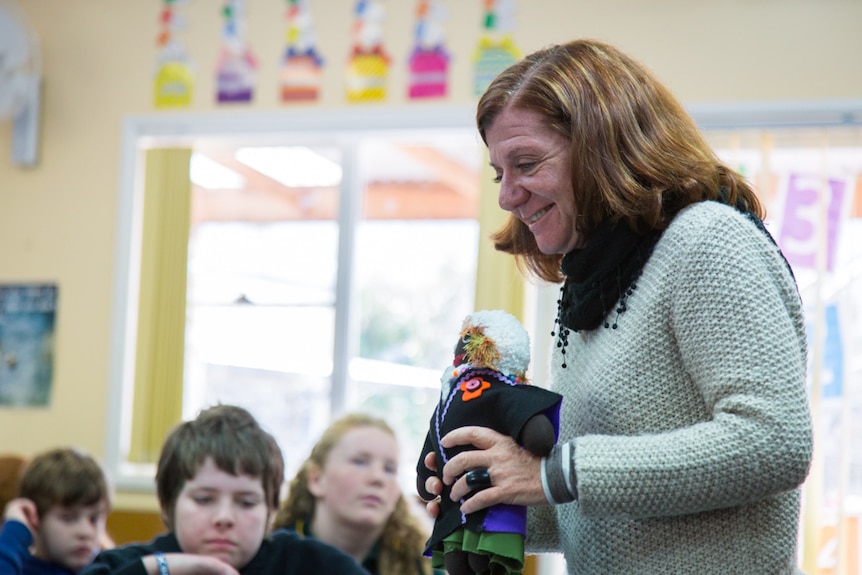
x,y
461,350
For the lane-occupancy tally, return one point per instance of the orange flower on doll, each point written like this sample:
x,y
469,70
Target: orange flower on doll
x,y
473,388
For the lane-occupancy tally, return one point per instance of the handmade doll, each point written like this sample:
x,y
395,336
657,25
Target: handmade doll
x,y
486,386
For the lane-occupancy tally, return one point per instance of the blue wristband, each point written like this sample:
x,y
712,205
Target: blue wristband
x,y
162,563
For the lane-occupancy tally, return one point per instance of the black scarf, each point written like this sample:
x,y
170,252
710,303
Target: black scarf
x,y
602,274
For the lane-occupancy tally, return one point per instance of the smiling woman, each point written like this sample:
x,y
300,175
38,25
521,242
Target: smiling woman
x,y
534,171
680,337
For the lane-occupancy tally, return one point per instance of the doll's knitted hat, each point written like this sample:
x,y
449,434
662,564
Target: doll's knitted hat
x,y
497,340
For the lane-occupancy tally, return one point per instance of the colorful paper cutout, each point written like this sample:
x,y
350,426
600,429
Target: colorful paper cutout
x,y
429,61
428,73
173,84
301,66
366,77
368,66
235,76
496,50
236,65
301,77
492,57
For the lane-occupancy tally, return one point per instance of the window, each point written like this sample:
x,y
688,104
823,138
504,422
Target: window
x,y
326,256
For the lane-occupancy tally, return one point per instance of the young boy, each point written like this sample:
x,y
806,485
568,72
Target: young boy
x,y
60,514
218,482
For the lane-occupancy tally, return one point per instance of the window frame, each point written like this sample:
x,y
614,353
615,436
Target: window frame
x,y
345,125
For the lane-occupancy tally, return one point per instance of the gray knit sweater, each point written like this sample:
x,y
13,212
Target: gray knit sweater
x,y
688,424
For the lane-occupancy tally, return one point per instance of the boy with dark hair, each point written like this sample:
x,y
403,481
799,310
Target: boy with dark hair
x,y
60,514
218,482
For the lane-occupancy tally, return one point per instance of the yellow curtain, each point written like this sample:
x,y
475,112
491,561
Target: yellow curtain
x,y
499,285
162,301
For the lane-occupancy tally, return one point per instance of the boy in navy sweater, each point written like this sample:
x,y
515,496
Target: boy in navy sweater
x,y
59,515
218,482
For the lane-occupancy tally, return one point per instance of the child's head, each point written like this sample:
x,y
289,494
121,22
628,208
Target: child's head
x,y
218,480
356,454
351,478
72,500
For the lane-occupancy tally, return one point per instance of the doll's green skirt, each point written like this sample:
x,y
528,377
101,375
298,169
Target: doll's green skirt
x,y
505,549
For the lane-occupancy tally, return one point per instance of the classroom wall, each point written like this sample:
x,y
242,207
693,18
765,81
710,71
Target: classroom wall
x,y
58,221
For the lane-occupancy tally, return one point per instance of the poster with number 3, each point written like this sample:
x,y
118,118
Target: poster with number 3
x,y
805,202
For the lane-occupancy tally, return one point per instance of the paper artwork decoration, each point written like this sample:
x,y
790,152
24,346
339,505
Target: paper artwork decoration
x,y
797,216
27,319
833,354
368,65
235,69
301,65
429,61
174,81
497,50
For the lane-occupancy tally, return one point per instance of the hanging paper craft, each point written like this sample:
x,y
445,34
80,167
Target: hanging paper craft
x,y
174,82
496,50
301,65
368,66
429,61
236,64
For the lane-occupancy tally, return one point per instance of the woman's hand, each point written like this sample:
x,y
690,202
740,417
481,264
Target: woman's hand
x,y
433,486
515,472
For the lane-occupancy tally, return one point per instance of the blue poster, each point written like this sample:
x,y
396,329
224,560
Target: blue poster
x,y
27,314
833,355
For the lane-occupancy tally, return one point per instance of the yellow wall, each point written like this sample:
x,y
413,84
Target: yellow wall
x,y
57,222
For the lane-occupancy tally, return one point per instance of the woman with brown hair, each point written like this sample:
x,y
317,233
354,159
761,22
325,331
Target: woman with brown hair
x,y
680,350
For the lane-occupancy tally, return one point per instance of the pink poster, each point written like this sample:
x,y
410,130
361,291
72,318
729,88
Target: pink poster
x,y
802,208
429,61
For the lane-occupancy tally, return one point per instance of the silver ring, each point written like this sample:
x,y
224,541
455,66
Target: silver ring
x,y
478,479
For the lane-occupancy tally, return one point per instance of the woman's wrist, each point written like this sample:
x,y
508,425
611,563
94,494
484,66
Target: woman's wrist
x,y
558,475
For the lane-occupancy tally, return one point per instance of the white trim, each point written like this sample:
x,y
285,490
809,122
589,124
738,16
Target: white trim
x,y
777,114
348,120
349,208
